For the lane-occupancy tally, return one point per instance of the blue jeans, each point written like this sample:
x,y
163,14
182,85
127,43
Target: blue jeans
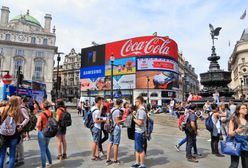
x,y
11,143
44,150
183,141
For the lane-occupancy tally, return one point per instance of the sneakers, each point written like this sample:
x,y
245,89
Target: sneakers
x,y
142,166
117,162
193,160
136,165
48,165
177,148
108,162
101,154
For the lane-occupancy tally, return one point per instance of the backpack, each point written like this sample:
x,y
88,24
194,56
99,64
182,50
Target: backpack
x,y
209,123
66,119
30,126
8,127
88,119
109,125
131,131
128,121
51,128
182,122
149,128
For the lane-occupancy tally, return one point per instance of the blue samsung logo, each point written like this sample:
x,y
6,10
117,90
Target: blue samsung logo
x,y
92,72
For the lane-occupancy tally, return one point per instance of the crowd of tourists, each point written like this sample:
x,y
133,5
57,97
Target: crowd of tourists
x,y
20,115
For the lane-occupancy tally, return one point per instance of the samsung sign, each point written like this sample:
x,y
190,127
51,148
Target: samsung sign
x,y
92,72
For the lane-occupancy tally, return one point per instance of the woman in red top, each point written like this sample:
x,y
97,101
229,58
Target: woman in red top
x,y
61,141
44,141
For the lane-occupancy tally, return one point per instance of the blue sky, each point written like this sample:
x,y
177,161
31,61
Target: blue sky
x,y
79,22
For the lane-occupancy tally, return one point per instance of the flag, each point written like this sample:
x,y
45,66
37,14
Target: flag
x,y
243,15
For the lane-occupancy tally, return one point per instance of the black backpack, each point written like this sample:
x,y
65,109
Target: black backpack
x,y
51,128
30,126
109,125
66,119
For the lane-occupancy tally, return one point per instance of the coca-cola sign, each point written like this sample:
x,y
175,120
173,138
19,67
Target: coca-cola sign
x,y
143,46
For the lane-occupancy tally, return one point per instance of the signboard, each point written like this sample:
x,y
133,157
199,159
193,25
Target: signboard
x,y
101,83
142,46
153,63
93,56
122,66
157,80
92,72
124,82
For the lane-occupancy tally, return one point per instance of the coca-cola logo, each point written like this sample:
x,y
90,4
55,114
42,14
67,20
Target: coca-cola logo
x,y
156,45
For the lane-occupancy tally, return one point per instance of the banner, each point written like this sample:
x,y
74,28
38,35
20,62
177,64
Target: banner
x,y
92,72
156,80
124,82
121,66
101,83
153,63
142,46
93,56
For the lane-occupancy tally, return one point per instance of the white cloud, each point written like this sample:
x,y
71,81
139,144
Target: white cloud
x,y
78,22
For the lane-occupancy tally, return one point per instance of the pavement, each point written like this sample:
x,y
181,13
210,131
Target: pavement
x,y
161,151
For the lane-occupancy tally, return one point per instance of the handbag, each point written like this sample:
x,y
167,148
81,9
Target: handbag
x,y
230,147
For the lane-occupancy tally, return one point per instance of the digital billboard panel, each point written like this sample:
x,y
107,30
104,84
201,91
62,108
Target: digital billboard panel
x,y
121,66
92,72
142,46
158,80
93,56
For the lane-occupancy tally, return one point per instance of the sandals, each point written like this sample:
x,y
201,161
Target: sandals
x,y
64,156
95,158
59,157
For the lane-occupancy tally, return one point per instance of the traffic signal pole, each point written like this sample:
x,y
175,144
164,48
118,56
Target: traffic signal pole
x,y
18,79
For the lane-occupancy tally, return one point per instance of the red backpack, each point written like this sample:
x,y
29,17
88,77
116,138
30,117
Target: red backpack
x,y
180,120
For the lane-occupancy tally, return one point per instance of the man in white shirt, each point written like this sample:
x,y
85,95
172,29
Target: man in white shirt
x,y
96,130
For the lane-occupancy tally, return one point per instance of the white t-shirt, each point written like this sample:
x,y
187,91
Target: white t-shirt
x,y
115,113
96,114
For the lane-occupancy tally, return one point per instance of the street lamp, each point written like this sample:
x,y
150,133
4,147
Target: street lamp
x,y
112,59
57,85
148,80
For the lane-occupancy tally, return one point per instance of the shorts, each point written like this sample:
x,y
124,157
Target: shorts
x,y
115,137
96,134
139,140
61,130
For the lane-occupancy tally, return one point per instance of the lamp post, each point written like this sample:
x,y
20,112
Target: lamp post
x,y
148,80
57,85
112,59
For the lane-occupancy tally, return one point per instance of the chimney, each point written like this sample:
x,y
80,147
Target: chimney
x,y
4,15
48,19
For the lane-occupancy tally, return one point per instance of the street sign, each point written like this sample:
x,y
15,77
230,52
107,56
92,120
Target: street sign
x,y
7,79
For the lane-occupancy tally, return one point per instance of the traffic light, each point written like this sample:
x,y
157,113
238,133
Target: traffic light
x,y
20,76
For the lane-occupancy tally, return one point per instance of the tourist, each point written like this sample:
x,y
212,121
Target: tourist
x,y
232,107
207,107
115,137
224,119
86,107
238,127
140,119
216,96
191,134
11,110
104,132
189,99
96,130
60,137
37,108
42,140
24,119
215,134
172,107
80,108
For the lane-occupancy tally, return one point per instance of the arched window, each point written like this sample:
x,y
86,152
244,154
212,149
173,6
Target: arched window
x,y
33,40
38,70
19,62
45,41
7,37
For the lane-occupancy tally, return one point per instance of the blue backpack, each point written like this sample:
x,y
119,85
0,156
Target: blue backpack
x,y
209,123
88,119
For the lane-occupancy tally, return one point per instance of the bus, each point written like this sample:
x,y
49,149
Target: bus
x,y
30,88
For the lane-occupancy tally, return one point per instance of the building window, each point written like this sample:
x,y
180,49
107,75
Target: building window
x,y
45,41
39,54
19,52
7,37
243,60
33,40
38,70
18,63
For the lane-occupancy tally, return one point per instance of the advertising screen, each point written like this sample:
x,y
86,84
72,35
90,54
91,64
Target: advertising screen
x,y
122,66
142,46
124,82
153,63
93,56
101,83
157,80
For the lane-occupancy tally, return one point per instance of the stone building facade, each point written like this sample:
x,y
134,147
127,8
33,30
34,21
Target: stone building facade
x,y
26,43
69,74
238,65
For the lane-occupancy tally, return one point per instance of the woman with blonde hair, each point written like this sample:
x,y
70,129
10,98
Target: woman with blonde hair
x,y
11,110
